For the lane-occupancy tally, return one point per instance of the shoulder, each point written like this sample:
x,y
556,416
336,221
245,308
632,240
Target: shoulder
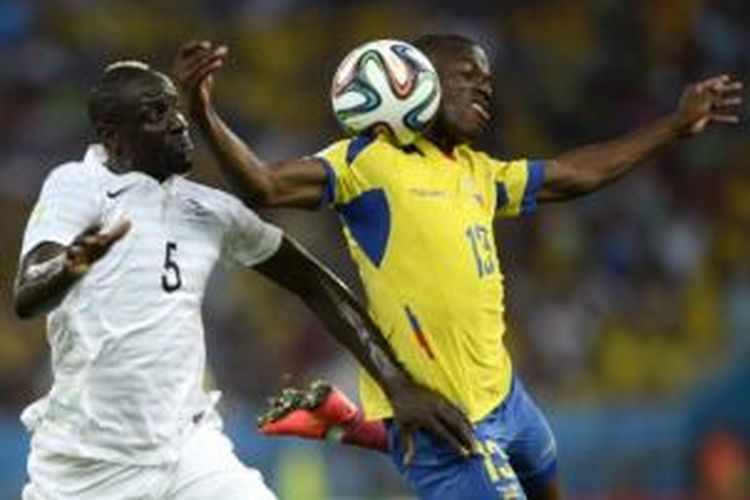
x,y
358,150
206,193
72,171
84,170
474,155
482,159
205,198
75,176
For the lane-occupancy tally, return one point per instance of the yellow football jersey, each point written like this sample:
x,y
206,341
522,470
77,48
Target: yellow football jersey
x,y
419,225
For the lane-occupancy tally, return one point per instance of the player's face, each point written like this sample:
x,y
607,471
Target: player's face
x,y
153,132
466,106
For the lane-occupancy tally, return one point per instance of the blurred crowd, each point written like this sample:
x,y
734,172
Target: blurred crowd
x,y
631,294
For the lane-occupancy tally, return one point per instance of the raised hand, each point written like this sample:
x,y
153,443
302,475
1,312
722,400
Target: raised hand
x,y
193,70
90,246
713,100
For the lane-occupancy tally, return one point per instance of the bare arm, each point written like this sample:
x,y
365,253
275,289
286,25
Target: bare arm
x,y
295,183
591,167
49,270
42,280
293,268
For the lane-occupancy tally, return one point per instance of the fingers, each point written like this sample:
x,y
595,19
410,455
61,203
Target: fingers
x,y
428,410
447,424
193,45
710,83
91,244
722,84
114,234
438,428
731,87
729,94
203,68
196,60
728,102
730,119
459,427
408,434
91,230
76,261
714,100
207,66
203,58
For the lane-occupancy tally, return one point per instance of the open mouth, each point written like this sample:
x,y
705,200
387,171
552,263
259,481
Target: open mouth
x,y
481,110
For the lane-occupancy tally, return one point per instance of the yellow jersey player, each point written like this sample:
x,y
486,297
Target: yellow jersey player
x,y
419,225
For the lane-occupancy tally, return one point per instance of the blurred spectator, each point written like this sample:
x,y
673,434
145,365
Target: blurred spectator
x,y
723,467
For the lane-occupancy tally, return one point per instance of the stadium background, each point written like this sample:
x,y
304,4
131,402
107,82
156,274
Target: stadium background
x,y
629,310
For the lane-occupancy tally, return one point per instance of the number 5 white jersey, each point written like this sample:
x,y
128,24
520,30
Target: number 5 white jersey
x,y
127,342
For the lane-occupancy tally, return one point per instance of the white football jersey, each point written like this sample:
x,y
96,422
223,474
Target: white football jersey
x,y
127,341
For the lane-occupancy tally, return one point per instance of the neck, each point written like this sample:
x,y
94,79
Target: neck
x,y
444,141
120,165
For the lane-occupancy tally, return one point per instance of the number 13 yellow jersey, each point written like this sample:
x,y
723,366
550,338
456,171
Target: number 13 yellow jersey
x,y
419,225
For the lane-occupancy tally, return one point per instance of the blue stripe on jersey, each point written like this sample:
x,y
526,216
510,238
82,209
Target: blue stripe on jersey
x,y
329,190
368,218
357,145
533,184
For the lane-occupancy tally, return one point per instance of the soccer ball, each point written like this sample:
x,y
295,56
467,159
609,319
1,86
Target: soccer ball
x,y
386,85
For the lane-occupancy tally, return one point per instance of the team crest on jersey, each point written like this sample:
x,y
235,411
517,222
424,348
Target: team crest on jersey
x,y
469,186
196,207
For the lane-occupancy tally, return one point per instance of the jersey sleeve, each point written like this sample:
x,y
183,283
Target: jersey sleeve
x,y
248,239
67,205
516,184
351,168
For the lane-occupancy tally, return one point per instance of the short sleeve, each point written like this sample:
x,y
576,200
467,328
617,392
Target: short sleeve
x,y
349,168
67,205
248,239
517,185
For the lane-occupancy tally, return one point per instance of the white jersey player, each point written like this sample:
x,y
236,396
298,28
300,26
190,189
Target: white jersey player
x,y
127,416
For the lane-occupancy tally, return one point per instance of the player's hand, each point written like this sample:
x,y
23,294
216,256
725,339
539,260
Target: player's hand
x,y
193,70
713,100
90,246
418,407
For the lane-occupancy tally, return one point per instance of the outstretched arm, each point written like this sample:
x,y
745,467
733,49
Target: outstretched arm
x,y
414,405
588,168
49,270
296,183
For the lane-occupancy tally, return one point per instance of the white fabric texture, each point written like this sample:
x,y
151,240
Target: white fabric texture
x,y
127,341
207,470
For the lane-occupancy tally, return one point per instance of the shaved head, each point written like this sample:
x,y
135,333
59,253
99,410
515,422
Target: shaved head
x,y
108,97
438,44
135,114
466,82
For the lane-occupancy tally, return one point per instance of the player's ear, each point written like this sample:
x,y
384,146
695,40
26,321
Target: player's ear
x,y
106,134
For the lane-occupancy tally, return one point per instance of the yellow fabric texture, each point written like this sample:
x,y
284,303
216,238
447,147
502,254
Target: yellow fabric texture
x,y
433,282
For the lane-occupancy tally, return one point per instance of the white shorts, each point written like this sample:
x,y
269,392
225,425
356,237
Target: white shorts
x,y
207,470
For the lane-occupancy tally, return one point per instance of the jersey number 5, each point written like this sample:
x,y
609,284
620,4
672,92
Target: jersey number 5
x,y
171,279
